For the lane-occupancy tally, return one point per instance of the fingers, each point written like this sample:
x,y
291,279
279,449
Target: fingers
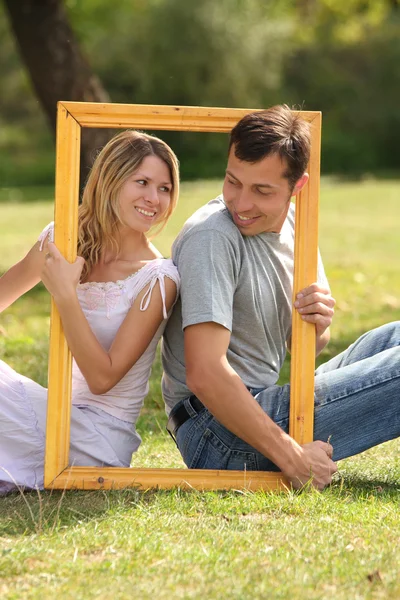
x,y
318,308
314,288
314,300
52,251
326,446
321,323
316,305
316,467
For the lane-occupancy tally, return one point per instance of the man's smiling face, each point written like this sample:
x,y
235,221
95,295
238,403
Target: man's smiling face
x,y
257,195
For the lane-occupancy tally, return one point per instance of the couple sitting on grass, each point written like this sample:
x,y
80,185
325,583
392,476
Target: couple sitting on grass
x,y
223,305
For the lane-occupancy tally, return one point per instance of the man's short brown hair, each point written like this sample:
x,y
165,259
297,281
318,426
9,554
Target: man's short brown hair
x,y
277,130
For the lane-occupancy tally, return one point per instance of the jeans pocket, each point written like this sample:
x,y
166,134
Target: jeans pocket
x,y
189,433
210,453
213,453
242,461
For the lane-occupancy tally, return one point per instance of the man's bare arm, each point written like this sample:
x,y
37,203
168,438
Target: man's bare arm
x,y
211,378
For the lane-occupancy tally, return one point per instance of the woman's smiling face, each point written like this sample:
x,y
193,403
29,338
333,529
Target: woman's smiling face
x,y
145,196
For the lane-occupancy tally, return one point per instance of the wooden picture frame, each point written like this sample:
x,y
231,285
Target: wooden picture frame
x,y
71,117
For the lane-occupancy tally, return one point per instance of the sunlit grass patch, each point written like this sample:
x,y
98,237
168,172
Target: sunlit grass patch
x,y
340,544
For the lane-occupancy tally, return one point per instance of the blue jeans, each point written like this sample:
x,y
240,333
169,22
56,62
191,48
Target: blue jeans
x,y
357,406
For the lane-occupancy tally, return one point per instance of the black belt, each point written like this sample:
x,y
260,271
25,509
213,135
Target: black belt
x,y
179,416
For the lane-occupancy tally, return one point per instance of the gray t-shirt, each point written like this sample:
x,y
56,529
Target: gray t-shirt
x,y
241,282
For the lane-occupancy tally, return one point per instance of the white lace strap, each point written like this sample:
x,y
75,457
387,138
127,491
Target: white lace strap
x,y
147,296
47,233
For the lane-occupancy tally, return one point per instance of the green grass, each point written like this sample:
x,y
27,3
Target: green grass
x,y
203,545
341,544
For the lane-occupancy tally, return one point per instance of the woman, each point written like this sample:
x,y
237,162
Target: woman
x,y
113,301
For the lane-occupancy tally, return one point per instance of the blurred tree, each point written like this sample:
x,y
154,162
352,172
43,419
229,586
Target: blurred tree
x,y
56,65
346,64
225,53
338,56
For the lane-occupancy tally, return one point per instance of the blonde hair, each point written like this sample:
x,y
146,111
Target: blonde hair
x,y
99,214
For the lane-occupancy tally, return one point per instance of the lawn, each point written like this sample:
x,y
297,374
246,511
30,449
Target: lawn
x,y
340,544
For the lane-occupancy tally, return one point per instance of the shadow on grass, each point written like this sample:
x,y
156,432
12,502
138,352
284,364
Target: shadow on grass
x,y
359,486
48,511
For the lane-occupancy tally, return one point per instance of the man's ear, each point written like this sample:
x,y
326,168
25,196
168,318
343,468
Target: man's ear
x,y
300,183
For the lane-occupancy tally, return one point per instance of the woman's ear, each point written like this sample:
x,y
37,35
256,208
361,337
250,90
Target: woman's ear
x,y
300,183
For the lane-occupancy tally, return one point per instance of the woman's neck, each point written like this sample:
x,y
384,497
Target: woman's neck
x,y
134,253
133,246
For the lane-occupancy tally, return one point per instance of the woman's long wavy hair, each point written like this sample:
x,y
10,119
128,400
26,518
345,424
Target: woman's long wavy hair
x,y
99,214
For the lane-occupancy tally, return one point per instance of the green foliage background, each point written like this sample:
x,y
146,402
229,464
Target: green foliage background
x,y
338,56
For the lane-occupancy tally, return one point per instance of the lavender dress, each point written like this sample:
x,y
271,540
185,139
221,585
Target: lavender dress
x,y
103,429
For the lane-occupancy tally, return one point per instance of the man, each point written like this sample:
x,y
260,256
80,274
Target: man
x,y
226,340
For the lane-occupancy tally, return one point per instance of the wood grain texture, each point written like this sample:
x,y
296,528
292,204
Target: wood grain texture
x,y
71,117
301,420
60,360
90,478
173,118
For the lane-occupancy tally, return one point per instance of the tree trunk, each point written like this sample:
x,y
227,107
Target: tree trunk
x,y
56,66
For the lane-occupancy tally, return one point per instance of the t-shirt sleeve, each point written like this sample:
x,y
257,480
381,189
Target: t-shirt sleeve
x,y
208,265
